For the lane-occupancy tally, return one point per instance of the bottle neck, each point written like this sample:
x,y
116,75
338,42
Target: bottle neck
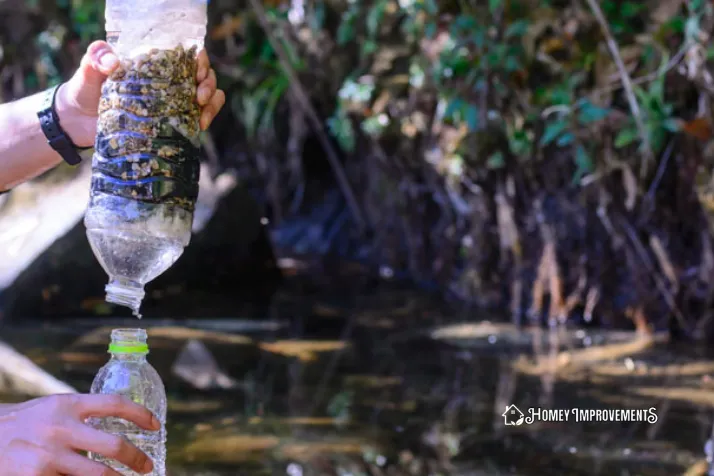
x,y
125,292
128,357
129,345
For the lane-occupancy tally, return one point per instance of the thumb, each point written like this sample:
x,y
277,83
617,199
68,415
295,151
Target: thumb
x,y
85,87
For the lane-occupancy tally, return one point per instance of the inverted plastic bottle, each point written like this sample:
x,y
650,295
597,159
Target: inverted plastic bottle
x,y
145,168
129,374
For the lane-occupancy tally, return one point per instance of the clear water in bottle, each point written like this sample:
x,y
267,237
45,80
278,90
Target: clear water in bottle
x,y
128,373
145,168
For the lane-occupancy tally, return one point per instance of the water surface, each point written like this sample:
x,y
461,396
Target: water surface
x,y
394,384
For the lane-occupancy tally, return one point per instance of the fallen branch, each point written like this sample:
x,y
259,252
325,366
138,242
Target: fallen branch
x,y
587,357
19,375
302,98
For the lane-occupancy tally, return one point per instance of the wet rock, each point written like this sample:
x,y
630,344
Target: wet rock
x,y
228,263
197,366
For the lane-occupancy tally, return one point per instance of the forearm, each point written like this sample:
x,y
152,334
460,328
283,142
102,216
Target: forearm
x,y
24,151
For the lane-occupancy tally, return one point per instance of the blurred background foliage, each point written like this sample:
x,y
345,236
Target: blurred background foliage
x,y
551,156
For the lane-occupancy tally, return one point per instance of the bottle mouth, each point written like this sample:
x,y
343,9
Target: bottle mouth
x,y
125,293
128,341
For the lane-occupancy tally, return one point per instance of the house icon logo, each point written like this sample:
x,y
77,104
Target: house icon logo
x,y
513,416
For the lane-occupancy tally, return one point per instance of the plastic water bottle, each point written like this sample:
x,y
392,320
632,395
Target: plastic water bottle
x,y
145,168
129,374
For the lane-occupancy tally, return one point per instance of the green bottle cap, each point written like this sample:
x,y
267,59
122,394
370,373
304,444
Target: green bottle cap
x,y
128,341
138,348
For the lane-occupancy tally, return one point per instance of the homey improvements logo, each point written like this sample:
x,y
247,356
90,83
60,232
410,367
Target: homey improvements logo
x,y
513,416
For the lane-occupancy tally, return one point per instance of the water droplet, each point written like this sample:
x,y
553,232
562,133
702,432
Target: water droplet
x,y
629,364
294,469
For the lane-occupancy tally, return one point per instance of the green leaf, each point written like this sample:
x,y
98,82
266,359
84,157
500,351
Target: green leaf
x,y
341,128
431,7
496,161
520,142
676,24
590,113
247,108
374,18
626,137
512,64
463,24
431,29
583,163
566,139
552,131
630,9
561,95
472,117
317,19
369,47
277,92
454,106
672,125
517,28
346,32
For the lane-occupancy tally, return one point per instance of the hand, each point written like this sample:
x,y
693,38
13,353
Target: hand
x,y
78,99
42,437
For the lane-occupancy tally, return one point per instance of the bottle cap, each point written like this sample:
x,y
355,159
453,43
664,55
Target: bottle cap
x,y
129,349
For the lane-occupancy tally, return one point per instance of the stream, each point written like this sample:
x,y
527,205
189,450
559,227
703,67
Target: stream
x,y
392,383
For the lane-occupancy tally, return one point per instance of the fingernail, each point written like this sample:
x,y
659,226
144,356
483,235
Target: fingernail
x,y
205,120
108,60
148,466
203,96
155,423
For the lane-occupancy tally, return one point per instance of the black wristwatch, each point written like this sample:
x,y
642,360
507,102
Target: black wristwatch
x,y
57,138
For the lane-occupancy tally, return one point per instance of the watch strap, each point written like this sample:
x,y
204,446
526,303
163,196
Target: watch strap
x,y
57,138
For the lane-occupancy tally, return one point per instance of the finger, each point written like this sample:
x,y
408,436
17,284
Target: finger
x,y
204,64
211,110
114,406
84,438
20,458
207,88
73,464
100,57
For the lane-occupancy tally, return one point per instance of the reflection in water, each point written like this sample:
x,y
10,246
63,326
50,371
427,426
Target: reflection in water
x,y
340,392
